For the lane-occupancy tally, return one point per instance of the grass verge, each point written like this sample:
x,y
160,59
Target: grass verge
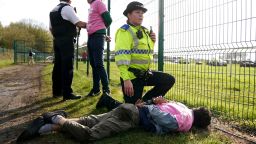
x,y
5,63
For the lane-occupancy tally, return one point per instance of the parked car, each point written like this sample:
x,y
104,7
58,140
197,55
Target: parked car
x,y
217,63
80,58
176,61
247,64
111,57
49,59
184,61
198,62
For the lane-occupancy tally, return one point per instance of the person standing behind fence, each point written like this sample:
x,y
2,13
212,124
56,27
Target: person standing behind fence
x,y
31,57
63,22
98,20
134,47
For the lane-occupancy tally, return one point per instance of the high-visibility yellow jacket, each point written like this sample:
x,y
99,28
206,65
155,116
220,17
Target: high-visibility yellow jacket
x,y
130,51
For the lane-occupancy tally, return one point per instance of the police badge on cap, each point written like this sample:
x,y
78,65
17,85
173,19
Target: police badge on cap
x,y
134,6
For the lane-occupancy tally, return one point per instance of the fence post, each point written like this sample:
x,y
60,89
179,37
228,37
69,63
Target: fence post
x,y
108,45
161,36
14,51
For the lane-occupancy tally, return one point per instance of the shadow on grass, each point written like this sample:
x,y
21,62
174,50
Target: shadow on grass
x,y
23,115
10,134
9,115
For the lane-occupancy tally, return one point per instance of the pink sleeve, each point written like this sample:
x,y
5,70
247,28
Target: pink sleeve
x,y
101,7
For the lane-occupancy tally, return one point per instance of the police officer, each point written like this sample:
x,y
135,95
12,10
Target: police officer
x,y
63,23
134,47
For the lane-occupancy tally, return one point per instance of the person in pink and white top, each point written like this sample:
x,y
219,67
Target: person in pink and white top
x,y
99,20
161,116
169,116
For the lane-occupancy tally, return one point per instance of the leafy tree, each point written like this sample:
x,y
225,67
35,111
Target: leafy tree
x,y
35,35
1,27
1,35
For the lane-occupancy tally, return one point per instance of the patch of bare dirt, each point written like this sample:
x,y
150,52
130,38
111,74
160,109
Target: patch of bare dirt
x,y
237,136
19,92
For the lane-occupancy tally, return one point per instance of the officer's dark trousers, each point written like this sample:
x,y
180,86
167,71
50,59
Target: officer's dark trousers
x,y
95,46
162,82
62,73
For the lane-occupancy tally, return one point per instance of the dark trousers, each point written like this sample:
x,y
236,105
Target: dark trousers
x,y
62,74
162,82
95,46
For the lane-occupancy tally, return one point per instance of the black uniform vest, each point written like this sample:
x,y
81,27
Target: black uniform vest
x,y
60,26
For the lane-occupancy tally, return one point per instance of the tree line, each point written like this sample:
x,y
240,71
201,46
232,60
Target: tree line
x,y
38,37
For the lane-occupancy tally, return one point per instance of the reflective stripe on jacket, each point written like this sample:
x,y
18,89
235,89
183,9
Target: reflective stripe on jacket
x,y
130,51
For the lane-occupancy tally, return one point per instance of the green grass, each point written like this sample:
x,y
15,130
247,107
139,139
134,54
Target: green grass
x,y
5,62
85,106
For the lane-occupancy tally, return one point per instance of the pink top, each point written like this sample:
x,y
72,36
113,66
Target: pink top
x,y
95,21
183,114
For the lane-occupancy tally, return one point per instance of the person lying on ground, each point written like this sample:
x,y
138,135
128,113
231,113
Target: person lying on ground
x,y
161,117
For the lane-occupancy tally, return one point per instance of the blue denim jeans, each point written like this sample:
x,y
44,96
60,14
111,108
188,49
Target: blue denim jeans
x,y
95,46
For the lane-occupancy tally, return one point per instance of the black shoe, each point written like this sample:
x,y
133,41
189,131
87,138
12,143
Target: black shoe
x,y
93,93
102,101
32,130
71,97
56,95
107,101
48,115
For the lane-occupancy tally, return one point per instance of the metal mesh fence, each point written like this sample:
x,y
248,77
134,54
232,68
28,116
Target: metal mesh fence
x,y
210,48
6,52
43,51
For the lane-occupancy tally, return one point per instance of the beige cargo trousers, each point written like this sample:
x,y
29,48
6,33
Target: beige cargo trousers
x,y
94,127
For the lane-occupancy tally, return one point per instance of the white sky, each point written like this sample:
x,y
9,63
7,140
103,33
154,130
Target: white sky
x,y
17,10
229,11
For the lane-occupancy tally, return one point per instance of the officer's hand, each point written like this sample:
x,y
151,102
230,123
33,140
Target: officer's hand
x,y
153,36
128,88
139,103
108,38
159,100
81,24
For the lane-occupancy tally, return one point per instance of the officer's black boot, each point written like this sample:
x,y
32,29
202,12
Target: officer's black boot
x,y
108,102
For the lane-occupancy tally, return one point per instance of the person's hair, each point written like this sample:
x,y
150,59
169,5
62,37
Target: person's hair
x,y
202,117
65,0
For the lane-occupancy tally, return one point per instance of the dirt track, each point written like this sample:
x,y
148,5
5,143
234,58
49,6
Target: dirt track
x,y
19,90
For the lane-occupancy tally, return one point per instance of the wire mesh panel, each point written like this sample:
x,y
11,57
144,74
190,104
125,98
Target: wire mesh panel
x,y
6,52
42,50
210,48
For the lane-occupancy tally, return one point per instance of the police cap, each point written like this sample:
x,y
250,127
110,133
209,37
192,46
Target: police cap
x,y
134,6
